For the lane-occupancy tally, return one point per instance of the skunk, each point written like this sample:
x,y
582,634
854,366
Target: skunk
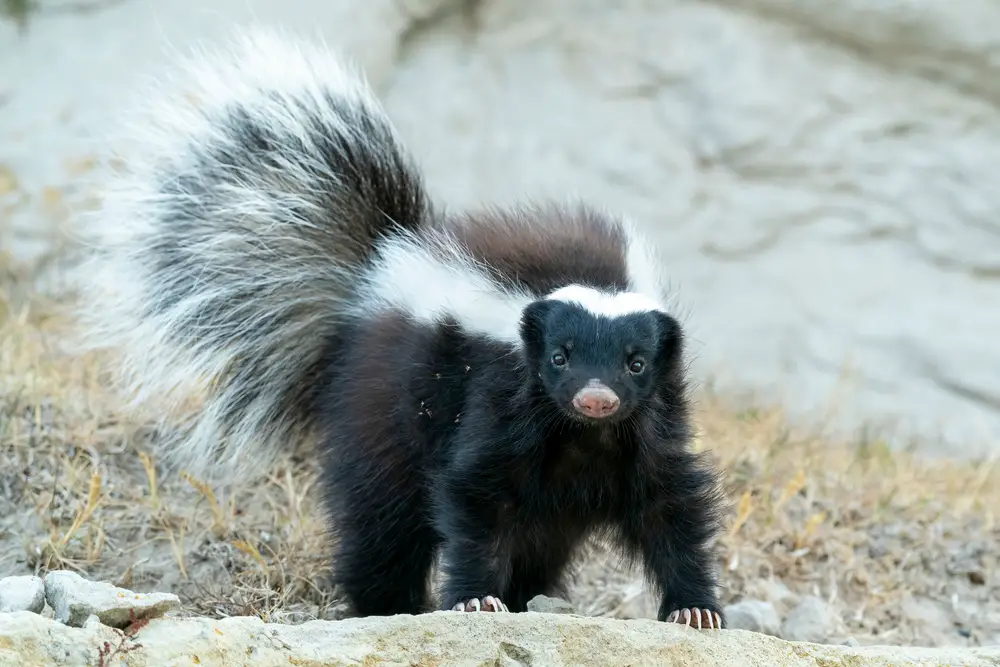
x,y
490,387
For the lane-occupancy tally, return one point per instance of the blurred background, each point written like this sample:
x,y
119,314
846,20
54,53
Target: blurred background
x,y
822,176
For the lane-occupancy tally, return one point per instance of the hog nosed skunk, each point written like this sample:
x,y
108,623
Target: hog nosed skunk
x,y
491,386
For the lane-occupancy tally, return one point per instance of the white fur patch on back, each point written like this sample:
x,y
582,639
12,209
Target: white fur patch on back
x,y
433,279
606,304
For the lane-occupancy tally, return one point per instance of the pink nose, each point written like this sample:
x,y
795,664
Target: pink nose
x,y
596,401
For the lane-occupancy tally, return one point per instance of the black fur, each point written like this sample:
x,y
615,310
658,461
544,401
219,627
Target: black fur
x,y
249,237
436,440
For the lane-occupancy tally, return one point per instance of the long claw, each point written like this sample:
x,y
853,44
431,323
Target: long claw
x,y
489,603
697,618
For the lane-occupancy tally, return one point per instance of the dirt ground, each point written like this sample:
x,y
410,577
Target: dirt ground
x,y
905,550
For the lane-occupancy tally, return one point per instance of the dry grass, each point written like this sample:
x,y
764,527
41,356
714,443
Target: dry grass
x,y
884,536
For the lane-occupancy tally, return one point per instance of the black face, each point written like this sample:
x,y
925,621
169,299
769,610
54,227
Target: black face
x,y
599,369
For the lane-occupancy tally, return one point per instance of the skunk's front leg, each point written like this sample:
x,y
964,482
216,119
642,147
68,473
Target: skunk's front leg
x,y
672,527
476,554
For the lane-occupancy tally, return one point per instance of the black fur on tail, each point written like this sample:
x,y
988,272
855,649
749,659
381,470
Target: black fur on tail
x,y
227,250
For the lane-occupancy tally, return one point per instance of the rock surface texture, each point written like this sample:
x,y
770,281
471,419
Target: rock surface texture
x,y
26,593
549,605
820,175
74,599
443,638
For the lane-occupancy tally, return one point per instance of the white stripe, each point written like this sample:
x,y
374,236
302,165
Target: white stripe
x,y
432,278
411,275
605,304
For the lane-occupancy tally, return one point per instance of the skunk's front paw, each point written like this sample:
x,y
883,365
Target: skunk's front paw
x,y
489,603
702,619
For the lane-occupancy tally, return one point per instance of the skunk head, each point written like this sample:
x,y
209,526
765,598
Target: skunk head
x,y
600,356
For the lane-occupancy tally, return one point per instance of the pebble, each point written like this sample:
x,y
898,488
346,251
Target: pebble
x,y
24,593
812,620
926,612
754,615
545,605
773,591
74,599
933,619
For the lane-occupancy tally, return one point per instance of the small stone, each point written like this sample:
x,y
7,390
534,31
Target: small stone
x,y
25,593
754,615
773,591
777,592
812,620
543,604
935,620
74,599
926,612
851,641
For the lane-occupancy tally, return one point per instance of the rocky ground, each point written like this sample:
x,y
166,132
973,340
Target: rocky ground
x,y
67,620
828,540
442,638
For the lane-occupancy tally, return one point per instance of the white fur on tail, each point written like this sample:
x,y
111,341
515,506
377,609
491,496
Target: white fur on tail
x,y
268,280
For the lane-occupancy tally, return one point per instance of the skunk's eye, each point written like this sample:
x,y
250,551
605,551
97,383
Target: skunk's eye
x,y
636,366
558,359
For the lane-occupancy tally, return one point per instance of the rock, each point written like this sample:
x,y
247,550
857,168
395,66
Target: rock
x,y
778,594
812,620
546,605
754,615
782,598
25,593
444,638
926,612
73,599
933,619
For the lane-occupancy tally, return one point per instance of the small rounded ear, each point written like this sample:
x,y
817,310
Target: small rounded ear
x,y
533,324
669,337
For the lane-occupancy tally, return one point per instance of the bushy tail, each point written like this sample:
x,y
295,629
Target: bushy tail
x,y
228,246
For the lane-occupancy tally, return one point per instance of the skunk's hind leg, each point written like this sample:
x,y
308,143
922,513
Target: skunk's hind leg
x,y
378,505
384,550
